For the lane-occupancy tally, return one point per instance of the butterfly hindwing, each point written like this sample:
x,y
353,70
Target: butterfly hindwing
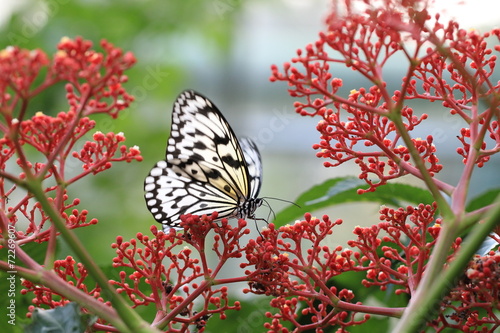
x,y
171,195
206,169
254,165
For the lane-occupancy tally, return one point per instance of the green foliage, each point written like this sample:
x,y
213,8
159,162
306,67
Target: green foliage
x,y
343,190
250,318
482,200
127,22
64,319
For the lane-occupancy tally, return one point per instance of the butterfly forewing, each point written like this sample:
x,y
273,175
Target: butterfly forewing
x,y
205,146
205,169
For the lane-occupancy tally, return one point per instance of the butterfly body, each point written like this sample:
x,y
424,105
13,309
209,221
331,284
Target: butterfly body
x,y
206,167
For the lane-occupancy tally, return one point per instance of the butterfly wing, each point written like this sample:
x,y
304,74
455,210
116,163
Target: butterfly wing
x,y
170,194
205,168
254,165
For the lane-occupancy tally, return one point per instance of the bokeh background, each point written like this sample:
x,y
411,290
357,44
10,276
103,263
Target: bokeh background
x,y
224,50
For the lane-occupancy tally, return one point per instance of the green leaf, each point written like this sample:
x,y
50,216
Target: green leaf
x,y
482,200
64,319
375,324
342,190
251,317
36,251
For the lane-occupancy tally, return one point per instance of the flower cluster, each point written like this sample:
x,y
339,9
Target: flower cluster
x,y
95,78
94,84
274,265
176,277
19,68
289,263
277,266
470,303
46,133
69,271
367,125
34,198
97,155
37,230
405,247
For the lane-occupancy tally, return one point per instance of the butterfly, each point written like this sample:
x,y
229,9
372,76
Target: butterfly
x,y
206,167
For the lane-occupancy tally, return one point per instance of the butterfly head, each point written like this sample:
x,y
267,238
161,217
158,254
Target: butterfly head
x,y
247,209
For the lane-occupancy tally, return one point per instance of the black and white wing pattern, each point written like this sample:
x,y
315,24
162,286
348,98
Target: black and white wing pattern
x,y
206,168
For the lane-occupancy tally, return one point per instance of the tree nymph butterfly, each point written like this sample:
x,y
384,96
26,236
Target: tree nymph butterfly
x,y
206,167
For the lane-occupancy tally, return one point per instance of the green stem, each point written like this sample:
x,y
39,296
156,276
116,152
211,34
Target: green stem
x,y
53,281
430,291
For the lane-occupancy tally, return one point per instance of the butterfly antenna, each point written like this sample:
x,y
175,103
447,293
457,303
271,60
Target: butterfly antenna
x,y
282,200
271,211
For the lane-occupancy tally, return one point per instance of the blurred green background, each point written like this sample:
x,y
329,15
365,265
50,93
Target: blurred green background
x,y
223,49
